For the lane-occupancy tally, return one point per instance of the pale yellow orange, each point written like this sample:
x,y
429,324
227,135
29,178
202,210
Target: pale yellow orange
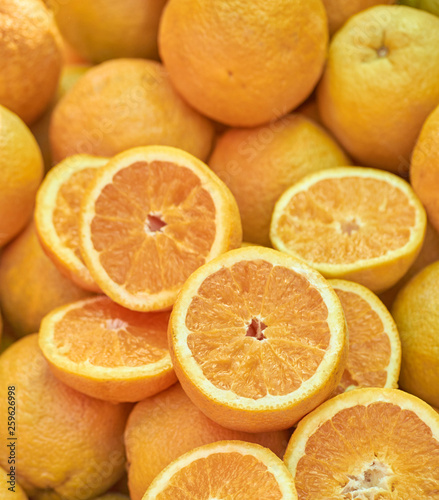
x,y
244,63
10,489
258,164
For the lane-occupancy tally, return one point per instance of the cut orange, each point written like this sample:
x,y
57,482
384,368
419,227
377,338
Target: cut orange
x,y
57,215
106,351
154,215
367,444
374,356
257,339
359,224
225,469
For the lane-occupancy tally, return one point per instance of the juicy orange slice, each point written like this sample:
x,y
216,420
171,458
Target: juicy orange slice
x,y
257,339
359,224
153,216
225,469
374,357
106,351
57,215
367,444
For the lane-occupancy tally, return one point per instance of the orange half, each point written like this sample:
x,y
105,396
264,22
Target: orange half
x,y
367,444
374,356
152,216
353,223
224,470
257,339
57,215
106,351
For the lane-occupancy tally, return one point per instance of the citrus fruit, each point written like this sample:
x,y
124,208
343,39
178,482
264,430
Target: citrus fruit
x,y
30,284
244,63
145,110
70,74
30,51
359,224
225,469
380,84
429,253
69,445
415,314
108,29
339,11
367,444
428,5
424,168
9,487
112,496
257,339
21,171
57,215
106,351
153,216
153,426
374,356
258,164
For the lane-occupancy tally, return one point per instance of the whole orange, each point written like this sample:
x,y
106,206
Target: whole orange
x,y
243,62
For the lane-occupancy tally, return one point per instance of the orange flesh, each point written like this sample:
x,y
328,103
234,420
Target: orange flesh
x,y
68,203
242,299
379,446
223,476
153,226
369,345
105,334
343,220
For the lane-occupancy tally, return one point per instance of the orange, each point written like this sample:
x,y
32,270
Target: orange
x,y
360,224
108,29
244,63
112,496
429,253
57,215
105,351
153,216
415,312
165,426
69,445
10,490
258,164
374,356
380,84
339,11
257,339
70,74
31,57
368,443
225,469
145,110
424,169
30,284
21,171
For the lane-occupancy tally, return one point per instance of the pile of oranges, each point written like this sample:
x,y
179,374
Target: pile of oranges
x,y
219,232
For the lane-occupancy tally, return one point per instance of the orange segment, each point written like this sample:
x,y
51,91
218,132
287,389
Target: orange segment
x,y
106,351
57,215
152,217
365,225
374,356
367,443
257,338
225,469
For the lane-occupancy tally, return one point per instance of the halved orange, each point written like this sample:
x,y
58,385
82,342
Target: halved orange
x,y
106,351
154,215
226,470
257,339
358,224
367,444
57,215
374,356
